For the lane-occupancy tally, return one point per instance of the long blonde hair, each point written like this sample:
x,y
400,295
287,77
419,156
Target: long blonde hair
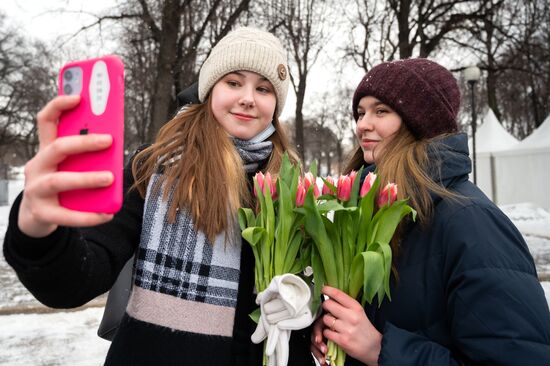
x,y
405,161
198,159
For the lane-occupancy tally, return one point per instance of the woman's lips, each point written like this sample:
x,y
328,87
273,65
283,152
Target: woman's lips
x,y
368,143
243,117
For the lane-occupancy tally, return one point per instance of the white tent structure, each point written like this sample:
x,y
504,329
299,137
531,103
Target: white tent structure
x,y
491,137
523,171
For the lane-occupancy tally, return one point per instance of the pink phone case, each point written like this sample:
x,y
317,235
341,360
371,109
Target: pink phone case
x,y
100,83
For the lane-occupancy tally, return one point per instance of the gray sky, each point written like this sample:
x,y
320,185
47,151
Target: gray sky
x,y
45,20
48,20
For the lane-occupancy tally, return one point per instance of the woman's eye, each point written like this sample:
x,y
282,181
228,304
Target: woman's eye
x,y
360,115
264,90
381,111
232,83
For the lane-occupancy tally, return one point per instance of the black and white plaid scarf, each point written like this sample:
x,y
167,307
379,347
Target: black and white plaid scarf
x,y
178,268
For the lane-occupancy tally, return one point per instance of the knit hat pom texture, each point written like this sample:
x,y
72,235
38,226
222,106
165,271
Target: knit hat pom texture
x,y
422,92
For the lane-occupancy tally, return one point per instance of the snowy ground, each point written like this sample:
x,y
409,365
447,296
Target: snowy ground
x,y
34,335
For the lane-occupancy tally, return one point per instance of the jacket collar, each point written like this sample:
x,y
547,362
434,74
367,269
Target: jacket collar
x,y
449,159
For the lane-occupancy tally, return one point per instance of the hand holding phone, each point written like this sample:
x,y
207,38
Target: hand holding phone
x,y
100,84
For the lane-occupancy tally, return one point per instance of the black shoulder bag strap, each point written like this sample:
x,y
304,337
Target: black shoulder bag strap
x,y
117,300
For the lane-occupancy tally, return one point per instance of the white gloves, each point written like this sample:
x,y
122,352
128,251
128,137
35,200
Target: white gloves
x,y
285,306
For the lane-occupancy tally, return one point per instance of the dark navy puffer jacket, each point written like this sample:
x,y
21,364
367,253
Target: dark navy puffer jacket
x,y
468,292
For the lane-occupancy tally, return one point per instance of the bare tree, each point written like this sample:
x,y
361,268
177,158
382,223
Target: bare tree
x,y
372,26
140,71
301,23
511,43
163,43
177,28
530,59
334,113
423,24
405,28
27,82
490,39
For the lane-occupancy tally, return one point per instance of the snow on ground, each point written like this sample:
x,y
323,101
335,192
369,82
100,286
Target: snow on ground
x,y
69,337
534,224
64,338
43,339
529,219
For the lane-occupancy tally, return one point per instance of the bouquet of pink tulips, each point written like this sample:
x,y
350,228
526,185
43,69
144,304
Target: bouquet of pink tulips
x,y
276,235
351,228
276,232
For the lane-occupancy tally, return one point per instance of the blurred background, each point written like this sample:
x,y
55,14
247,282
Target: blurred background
x,y
331,45
499,51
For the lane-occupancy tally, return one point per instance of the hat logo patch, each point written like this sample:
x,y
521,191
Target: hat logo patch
x,y
281,70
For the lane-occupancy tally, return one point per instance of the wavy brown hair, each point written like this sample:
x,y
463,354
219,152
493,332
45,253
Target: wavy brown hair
x,y
196,157
405,161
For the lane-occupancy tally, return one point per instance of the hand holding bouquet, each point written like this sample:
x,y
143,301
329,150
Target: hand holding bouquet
x,y
276,236
351,227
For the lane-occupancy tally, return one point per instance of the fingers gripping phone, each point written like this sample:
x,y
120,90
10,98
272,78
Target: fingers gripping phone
x,y
100,84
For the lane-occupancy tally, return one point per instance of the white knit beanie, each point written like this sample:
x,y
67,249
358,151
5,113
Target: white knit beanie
x,y
247,49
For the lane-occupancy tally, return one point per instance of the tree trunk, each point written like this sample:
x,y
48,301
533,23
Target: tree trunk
x,y
299,136
492,90
163,93
491,69
403,12
339,154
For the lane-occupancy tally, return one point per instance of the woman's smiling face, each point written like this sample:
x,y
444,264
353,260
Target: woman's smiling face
x,y
244,103
376,125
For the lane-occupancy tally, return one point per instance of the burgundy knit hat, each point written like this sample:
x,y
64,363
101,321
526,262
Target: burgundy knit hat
x,y
422,92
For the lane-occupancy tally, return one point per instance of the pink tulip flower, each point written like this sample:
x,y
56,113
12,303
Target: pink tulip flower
x,y
343,189
266,181
388,195
260,179
367,184
326,189
272,184
309,180
352,175
300,194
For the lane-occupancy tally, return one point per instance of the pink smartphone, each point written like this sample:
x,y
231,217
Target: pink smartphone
x,y
100,83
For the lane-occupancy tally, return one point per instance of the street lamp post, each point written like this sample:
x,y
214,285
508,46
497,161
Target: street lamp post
x,y
472,74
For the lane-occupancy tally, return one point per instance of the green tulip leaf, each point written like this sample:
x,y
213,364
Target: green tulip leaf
x,y
246,218
333,206
389,219
314,226
355,189
255,315
373,274
292,252
319,279
313,168
331,186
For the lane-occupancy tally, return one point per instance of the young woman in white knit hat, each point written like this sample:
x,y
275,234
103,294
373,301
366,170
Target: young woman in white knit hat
x,y
193,278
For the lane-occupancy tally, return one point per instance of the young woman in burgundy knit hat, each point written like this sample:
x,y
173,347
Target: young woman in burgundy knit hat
x,y
464,286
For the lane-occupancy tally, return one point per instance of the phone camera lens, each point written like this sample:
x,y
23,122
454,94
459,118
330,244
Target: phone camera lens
x,y
67,89
68,75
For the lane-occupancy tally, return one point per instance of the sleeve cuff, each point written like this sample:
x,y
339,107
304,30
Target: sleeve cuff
x,y
28,251
402,347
